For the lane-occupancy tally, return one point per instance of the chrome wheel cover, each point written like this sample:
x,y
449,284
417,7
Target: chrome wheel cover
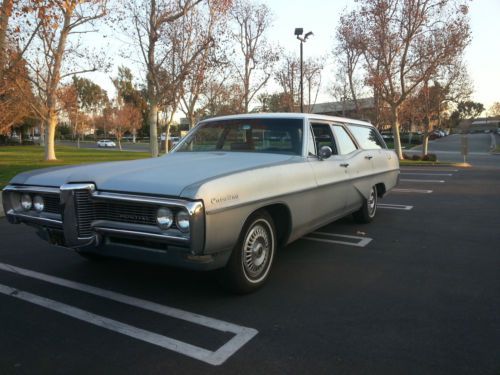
x,y
372,203
258,251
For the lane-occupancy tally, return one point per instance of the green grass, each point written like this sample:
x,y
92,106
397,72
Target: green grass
x,y
17,159
423,163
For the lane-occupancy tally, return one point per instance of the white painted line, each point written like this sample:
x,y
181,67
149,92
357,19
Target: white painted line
x,y
394,206
429,169
112,325
362,241
432,181
427,174
242,334
418,191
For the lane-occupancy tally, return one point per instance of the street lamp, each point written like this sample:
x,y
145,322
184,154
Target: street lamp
x,y
298,32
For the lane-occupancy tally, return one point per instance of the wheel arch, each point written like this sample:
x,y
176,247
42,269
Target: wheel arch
x,y
282,219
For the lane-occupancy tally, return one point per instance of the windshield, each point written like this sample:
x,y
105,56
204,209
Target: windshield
x,y
267,135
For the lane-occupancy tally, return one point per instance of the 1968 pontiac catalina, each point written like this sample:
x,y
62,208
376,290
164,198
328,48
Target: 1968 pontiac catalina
x,y
234,190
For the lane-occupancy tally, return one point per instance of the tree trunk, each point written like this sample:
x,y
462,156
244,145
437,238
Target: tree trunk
x,y
50,134
5,12
153,131
395,132
425,144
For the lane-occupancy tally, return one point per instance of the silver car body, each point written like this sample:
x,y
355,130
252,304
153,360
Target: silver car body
x,y
219,190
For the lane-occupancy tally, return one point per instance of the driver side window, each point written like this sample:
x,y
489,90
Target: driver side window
x,y
323,136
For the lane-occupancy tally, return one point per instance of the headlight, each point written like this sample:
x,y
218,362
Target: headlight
x,y
164,218
38,203
182,221
26,202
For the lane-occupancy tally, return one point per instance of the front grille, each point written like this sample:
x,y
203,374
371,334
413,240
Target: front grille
x,y
125,212
84,212
52,203
88,210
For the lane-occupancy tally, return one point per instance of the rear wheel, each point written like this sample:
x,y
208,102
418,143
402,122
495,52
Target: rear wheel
x,y
367,212
251,260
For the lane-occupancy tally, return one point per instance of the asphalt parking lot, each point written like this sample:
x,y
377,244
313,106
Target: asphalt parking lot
x,y
415,292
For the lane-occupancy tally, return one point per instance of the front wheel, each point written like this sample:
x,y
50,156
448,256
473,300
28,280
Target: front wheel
x,y
251,260
367,212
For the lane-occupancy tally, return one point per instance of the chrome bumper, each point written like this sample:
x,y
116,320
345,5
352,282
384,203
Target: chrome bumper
x,y
68,223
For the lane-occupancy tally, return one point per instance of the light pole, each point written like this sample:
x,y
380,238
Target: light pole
x,y
298,32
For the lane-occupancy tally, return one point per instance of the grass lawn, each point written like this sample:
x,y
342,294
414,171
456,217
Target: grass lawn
x,y
17,159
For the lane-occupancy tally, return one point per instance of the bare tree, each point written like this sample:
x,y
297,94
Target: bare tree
x,y
258,57
403,43
494,110
57,42
347,52
287,76
150,20
207,29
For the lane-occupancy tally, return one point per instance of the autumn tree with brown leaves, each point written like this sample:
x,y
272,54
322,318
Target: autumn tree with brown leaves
x,y
403,44
56,54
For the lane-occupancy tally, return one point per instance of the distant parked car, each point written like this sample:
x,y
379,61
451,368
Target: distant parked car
x,y
106,143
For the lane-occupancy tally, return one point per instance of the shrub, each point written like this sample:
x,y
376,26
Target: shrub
x,y
416,157
430,157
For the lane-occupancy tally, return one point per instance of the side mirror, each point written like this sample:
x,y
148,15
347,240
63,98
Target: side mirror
x,y
325,152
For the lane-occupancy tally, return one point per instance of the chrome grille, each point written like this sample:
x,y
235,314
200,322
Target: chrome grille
x,y
125,212
52,203
88,210
84,212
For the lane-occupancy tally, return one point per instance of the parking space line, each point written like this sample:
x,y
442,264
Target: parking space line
x,y
242,334
416,180
429,169
426,174
361,241
110,324
418,191
394,206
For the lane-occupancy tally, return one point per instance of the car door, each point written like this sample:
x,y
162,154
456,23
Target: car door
x,y
373,144
358,165
331,175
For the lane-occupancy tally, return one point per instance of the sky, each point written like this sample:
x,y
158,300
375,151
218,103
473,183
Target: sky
x,y
321,17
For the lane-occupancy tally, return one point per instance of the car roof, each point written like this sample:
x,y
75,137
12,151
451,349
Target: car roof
x,y
289,115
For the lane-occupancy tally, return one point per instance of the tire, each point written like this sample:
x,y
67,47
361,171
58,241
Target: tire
x,y
367,212
250,263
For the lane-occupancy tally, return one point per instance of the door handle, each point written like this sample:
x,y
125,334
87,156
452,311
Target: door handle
x,y
369,157
345,165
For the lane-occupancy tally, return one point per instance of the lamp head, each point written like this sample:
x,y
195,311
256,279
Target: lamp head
x,y
299,31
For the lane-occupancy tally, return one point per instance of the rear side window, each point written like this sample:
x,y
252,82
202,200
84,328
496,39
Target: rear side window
x,y
346,145
367,137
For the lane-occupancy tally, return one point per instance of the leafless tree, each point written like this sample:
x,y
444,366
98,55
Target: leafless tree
x,y
210,64
257,59
151,20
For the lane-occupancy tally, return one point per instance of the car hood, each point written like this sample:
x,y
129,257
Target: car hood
x,y
168,175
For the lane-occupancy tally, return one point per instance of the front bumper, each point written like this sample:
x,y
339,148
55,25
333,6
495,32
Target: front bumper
x,y
79,222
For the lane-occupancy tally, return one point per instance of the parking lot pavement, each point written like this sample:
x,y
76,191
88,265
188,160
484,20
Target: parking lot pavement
x,y
416,291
